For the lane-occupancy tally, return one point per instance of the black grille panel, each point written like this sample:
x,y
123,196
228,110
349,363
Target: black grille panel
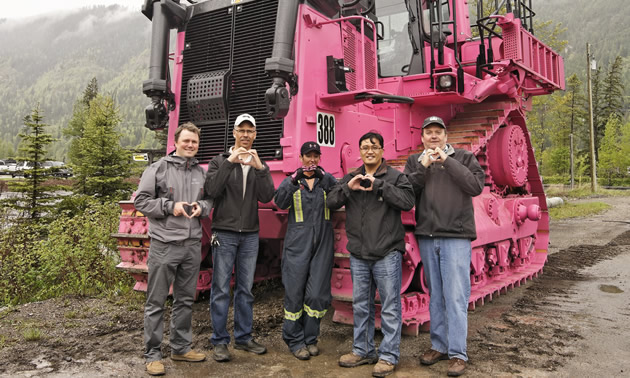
x,y
212,46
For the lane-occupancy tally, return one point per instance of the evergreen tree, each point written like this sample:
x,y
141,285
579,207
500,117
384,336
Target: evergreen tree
x,y
578,111
105,164
610,157
613,91
35,197
76,127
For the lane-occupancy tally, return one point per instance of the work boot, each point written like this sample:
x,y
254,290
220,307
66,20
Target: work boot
x,y
221,353
251,346
353,360
190,356
432,356
155,368
313,350
456,367
383,368
302,354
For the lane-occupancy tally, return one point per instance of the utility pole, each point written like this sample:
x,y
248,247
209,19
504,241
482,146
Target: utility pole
x,y
571,137
590,118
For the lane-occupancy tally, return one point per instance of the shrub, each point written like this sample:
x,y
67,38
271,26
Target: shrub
x,y
74,254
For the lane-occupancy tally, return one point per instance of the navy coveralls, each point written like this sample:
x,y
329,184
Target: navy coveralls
x,y
307,259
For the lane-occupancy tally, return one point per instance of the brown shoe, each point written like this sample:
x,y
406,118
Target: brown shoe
x,y
353,360
302,354
190,356
456,367
155,368
383,368
432,356
313,350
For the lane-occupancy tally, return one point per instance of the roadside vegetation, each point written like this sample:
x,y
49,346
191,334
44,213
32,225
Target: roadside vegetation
x,y
584,191
53,245
576,210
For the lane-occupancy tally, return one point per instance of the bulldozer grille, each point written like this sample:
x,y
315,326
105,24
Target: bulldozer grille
x,y
237,39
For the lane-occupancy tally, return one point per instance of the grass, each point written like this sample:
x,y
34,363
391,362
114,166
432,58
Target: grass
x,y
32,334
583,192
576,210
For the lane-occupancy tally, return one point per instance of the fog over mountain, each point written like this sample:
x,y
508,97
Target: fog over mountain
x,y
50,59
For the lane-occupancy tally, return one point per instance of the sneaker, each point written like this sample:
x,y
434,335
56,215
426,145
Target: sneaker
x,y
251,346
155,368
456,367
302,354
190,356
313,350
221,353
432,356
383,368
353,360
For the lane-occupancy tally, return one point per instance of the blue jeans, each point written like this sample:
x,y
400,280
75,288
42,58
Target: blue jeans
x,y
236,251
447,269
386,276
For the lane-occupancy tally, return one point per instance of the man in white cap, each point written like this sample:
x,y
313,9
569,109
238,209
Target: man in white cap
x,y
444,180
237,180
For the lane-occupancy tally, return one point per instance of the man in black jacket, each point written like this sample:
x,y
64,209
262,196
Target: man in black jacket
x,y
444,180
236,180
374,196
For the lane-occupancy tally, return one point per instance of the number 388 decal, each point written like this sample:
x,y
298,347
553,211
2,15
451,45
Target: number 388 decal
x,y
325,129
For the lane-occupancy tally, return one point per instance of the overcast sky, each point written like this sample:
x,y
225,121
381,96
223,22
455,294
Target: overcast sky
x,y
16,9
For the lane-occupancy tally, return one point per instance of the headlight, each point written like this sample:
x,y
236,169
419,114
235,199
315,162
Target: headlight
x,y
446,81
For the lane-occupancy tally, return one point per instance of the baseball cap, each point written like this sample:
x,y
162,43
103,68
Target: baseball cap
x,y
310,147
433,120
244,118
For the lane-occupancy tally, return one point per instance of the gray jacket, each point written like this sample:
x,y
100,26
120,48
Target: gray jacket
x,y
169,180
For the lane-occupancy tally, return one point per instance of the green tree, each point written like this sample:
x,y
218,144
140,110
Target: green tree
x,y
76,128
613,91
611,158
35,197
105,164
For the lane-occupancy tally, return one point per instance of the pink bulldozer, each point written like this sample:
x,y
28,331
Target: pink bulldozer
x,y
330,72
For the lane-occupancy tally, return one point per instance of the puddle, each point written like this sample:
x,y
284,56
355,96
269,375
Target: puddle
x,y
610,289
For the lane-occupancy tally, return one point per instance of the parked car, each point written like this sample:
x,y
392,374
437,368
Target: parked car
x,y
4,168
50,168
57,169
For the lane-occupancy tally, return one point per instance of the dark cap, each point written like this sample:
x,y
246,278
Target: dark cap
x,y
433,120
310,147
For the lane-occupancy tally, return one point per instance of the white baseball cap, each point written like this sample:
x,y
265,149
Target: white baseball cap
x,y
243,118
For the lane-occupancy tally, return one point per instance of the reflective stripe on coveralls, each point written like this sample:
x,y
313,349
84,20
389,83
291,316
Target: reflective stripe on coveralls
x,y
293,316
297,206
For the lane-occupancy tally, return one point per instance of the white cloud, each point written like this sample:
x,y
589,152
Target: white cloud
x,y
17,9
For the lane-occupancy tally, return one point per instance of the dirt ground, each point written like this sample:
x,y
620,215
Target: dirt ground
x,y
571,322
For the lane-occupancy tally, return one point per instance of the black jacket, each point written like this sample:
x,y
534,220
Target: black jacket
x,y
444,194
224,183
373,224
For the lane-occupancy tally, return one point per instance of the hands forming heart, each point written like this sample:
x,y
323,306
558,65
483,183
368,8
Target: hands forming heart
x,y
362,182
432,156
188,210
246,157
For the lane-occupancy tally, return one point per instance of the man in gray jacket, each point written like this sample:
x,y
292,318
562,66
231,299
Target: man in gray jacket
x,y
171,195
444,180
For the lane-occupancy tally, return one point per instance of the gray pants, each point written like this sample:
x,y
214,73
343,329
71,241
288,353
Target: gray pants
x,y
174,263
